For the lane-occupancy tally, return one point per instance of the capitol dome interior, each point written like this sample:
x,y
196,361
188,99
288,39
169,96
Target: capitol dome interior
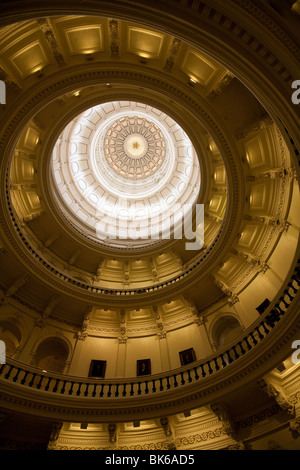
x,y
124,327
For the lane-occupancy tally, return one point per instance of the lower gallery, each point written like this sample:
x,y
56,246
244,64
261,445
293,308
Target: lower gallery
x,y
149,225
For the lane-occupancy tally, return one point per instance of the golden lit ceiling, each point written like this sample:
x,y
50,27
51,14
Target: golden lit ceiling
x,y
60,72
40,49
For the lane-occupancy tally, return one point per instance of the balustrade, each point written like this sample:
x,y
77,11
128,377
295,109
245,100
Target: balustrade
x,y
33,378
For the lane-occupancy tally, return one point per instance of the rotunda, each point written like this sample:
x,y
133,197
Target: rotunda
x,y
149,225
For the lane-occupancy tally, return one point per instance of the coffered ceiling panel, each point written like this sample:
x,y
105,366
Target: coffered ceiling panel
x,y
198,68
80,35
249,237
217,204
29,139
140,314
105,314
231,270
84,39
175,306
260,196
32,200
30,59
145,42
220,175
260,150
27,171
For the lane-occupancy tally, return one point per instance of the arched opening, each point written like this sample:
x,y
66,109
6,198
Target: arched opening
x,y
51,355
226,330
11,335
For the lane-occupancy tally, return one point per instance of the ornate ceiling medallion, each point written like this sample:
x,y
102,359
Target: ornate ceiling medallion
x,y
134,147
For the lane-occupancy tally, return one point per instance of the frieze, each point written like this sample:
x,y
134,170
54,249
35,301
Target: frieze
x,y
197,438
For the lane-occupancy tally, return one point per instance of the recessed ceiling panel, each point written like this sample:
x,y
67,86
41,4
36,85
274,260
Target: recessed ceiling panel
x,y
30,59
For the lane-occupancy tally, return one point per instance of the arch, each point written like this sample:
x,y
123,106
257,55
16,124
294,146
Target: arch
x,y
11,335
225,329
51,354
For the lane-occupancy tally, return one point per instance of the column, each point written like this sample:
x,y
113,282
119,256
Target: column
x,y
81,336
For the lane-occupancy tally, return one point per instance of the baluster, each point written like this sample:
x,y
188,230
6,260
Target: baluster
x,y
71,389
196,373
2,368
101,391
265,328
131,389
86,390
48,384
253,339
236,355
109,390
230,360
161,387
189,376
282,299
124,390
182,378
216,363
295,278
203,371
175,381
117,390
79,390
168,383
209,367
153,386
247,343
94,390
32,380
63,388
8,372
223,361
146,387
17,374
287,292
290,284
139,388
259,333
282,312
40,382
241,347
55,386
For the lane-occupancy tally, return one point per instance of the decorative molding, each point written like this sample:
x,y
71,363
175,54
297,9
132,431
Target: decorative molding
x,y
285,402
228,427
221,85
114,37
199,438
170,60
257,418
50,37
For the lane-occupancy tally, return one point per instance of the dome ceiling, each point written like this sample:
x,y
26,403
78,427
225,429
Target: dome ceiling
x,y
111,120
126,171
141,114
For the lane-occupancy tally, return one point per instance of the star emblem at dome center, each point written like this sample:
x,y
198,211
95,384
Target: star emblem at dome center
x,y
135,145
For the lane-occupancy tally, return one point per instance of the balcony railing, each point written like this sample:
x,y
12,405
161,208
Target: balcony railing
x,y
68,386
